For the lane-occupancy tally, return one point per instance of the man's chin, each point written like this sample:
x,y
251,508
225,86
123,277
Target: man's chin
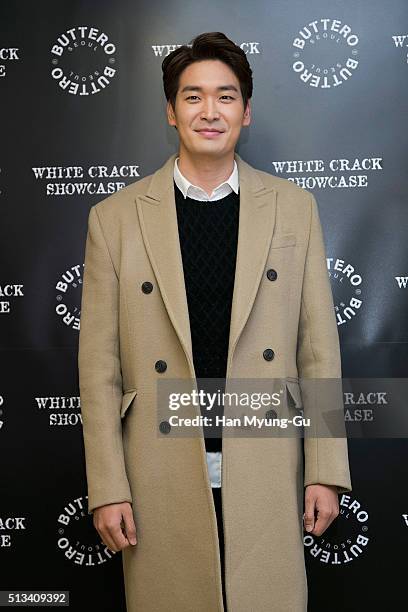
x,y
208,151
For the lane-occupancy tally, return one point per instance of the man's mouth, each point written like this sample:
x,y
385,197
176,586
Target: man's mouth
x,y
209,133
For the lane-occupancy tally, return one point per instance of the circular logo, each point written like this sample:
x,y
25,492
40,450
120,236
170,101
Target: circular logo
x,y
76,540
345,539
325,53
83,61
347,290
68,306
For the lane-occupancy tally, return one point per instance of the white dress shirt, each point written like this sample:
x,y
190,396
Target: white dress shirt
x,y
214,459
197,193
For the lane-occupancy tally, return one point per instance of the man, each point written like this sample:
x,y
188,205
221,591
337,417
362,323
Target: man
x,y
206,268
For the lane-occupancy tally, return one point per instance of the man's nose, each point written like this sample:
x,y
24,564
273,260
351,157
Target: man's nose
x,y
210,111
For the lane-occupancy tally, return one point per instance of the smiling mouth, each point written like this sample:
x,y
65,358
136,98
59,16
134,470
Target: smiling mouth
x,y
209,133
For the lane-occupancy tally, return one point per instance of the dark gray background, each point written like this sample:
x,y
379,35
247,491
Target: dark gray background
x,y
42,236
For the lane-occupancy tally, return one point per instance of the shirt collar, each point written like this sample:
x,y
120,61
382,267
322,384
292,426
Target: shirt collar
x,y
197,193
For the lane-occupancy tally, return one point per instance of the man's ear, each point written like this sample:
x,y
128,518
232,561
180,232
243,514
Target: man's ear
x,y
246,120
171,117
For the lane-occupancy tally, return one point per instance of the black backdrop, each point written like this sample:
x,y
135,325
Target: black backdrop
x,y
329,112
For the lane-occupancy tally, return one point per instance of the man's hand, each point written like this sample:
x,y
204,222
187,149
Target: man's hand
x,y
115,525
324,500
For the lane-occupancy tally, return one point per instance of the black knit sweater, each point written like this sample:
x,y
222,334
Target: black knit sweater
x,y
208,233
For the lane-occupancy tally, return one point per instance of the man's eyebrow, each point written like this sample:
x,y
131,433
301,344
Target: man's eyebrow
x,y
220,88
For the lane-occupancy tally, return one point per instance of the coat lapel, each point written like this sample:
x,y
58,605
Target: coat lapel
x,y
158,222
256,223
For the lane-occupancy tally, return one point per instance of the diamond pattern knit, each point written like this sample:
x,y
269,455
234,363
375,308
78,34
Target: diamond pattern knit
x,y
208,234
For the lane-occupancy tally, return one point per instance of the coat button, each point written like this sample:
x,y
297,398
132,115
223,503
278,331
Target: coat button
x,y
271,414
147,287
272,274
160,366
165,427
268,354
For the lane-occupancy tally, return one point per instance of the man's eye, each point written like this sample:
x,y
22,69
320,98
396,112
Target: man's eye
x,y
224,96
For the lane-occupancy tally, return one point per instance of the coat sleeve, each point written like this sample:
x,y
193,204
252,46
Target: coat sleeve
x,y
318,357
100,377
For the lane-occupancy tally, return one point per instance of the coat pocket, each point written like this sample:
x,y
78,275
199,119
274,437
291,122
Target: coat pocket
x,y
293,386
127,399
283,240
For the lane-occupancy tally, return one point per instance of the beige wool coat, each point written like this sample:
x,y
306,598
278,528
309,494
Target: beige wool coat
x,y
133,238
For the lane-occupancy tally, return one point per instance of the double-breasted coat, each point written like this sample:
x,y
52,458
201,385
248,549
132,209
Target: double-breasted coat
x,y
128,326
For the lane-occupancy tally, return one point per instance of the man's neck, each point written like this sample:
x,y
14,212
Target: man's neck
x,y
206,172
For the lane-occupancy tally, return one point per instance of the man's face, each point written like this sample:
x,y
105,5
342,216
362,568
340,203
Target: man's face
x,y
208,98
